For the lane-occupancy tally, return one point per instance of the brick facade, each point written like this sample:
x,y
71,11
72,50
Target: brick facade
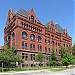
x,y
24,31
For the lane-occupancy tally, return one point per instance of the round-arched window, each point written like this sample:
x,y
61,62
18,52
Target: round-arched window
x,y
24,35
39,39
32,37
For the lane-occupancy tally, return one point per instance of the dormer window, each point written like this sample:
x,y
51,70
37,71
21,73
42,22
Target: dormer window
x,y
52,30
35,21
32,18
29,18
9,20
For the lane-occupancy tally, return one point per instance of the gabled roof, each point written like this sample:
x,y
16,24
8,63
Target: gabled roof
x,y
47,25
57,26
59,29
24,13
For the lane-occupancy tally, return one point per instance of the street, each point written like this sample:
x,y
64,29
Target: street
x,y
41,72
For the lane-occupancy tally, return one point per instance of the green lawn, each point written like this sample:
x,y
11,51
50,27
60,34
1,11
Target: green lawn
x,y
49,68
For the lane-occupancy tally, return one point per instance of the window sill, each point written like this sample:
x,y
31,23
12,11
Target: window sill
x,y
24,38
39,42
32,40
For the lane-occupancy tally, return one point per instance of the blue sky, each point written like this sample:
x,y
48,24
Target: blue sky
x,y
60,11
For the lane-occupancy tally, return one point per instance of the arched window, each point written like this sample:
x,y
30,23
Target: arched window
x,y
9,39
24,35
13,35
39,39
32,37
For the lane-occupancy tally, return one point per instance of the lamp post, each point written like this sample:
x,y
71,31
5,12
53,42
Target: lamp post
x,y
2,67
16,64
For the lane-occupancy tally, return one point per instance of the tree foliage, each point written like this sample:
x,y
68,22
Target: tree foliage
x,y
73,49
52,61
8,58
67,58
53,57
39,57
61,51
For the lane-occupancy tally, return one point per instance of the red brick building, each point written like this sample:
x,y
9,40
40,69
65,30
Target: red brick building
x,y
24,31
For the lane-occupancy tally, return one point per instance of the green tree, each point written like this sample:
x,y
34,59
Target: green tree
x,y
67,59
61,51
9,58
52,61
73,49
39,57
53,57
69,50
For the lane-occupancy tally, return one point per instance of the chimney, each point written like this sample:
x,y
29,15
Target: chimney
x,y
65,32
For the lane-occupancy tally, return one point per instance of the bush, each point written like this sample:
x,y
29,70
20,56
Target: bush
x,y
53,63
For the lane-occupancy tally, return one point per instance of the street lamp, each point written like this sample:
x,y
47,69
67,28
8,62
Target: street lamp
x,y
2,67
16,64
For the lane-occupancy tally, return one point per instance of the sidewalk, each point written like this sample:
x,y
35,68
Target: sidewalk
x,y
13,72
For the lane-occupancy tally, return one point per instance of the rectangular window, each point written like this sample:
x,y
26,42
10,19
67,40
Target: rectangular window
x,y
31,47
34,56
58,44
45,41
39,47
31,56
52,43
48,42
22,55
66,46
26,47
26,56
45,49
48,50
22,45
